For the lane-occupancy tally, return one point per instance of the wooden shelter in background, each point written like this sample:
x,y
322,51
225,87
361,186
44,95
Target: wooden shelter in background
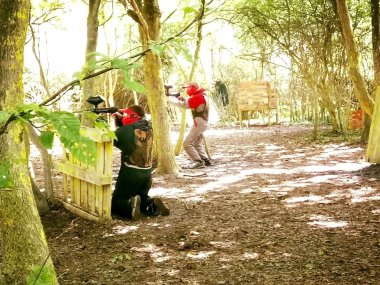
x,y
256,96
87,190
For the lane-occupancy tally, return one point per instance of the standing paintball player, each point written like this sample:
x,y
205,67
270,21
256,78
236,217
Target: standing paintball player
x,y
135,140
198,102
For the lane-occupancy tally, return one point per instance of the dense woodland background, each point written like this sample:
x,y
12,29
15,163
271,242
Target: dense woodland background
x,y
322,57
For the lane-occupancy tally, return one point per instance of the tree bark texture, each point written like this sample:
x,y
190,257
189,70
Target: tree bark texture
x,y
92,42
366,102
375,14
23,246
373,150
154,88
46,164
39,198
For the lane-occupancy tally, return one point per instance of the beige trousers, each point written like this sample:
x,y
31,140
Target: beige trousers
x,y
192,143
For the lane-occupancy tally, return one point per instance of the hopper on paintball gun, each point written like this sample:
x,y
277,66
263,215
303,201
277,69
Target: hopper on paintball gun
x,y
167,92
96,100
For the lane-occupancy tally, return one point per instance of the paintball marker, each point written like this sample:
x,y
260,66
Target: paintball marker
x,y
167,93
96,100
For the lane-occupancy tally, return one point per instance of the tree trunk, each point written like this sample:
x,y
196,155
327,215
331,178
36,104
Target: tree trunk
x,y
366,102
46,164
40,199
23,246
375,14
92,41
150,29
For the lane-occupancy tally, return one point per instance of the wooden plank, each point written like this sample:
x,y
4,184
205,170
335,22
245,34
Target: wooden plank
x,y
255,96
107,189
72,180
96,134
80,212
76,187
65,180
91,191
99,168
84,194
82,173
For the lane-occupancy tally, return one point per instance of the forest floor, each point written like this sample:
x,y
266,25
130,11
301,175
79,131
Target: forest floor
x,y
276,208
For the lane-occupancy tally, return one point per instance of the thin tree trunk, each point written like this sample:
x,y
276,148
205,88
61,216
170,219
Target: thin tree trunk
x,y
41,201
366,102
150,28
92,41
375,15
46,164
23,246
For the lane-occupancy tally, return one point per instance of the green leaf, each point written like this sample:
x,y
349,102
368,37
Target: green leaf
x,y
121,257
68,129
189,10
41,275
5,179
156,48
65,123
133,85
47,139
121,64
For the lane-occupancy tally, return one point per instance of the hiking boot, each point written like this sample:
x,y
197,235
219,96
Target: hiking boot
x,y
161,207
197,164
135,203
207,162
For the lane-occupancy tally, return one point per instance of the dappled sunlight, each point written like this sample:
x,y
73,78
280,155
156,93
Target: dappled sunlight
x,y
155,252
249,256
332,166
339,150
292,156
218,180
173,272
364,194
376,212
122,230
326,222
199,254
342,166
311,199
217,185
272,147
249,190
222,244
167,192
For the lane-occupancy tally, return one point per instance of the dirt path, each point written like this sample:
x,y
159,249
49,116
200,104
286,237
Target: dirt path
x,y
275,208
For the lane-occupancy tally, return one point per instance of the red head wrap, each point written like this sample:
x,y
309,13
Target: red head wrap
x,y
129,117
192,89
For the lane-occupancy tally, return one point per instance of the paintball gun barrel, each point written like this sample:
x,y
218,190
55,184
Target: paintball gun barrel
x,y
96,100
167,92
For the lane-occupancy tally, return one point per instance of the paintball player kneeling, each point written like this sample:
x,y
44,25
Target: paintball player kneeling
x,y
199,105
135,140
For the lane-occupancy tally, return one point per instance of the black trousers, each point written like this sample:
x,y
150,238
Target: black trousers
x,y
131,182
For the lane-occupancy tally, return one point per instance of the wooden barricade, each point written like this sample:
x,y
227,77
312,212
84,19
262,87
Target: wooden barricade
x,y
256,96
87,190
